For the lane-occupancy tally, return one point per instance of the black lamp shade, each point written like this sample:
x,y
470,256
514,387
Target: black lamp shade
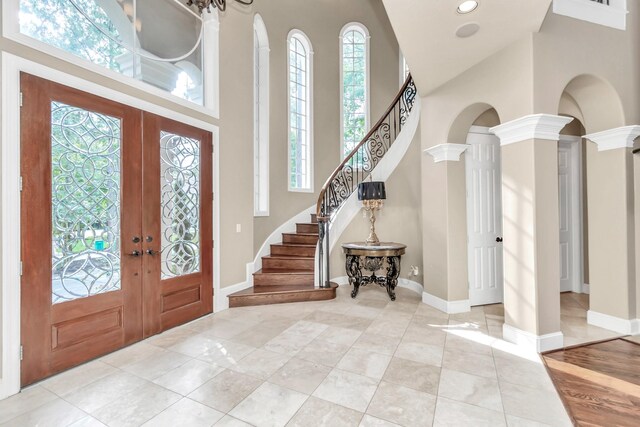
x,y
371,191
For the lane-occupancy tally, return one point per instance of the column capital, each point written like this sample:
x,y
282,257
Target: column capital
x,y
534,126
446,152
611,139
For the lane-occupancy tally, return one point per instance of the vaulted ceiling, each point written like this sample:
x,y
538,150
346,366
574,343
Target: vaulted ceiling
x,y
426,31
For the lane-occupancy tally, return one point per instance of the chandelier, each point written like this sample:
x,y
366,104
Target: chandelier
x,y
220,4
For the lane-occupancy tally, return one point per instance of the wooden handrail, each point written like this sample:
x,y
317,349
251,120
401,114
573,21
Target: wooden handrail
x,y
347,159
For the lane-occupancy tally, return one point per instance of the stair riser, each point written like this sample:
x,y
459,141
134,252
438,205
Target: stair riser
x,y
293,250
307,228
314,218
294,296
275,279
299,239
287,264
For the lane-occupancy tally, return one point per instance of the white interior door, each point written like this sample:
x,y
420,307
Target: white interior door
x,y
484,218
569,211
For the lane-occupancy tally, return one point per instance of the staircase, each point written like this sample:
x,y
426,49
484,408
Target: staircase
x,y
287,273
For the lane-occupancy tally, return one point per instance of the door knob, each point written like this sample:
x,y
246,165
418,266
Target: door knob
x,y
499,239
150,252
149,239
135,253
136,239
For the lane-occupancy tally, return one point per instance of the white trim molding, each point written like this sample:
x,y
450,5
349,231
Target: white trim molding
x,y
529,341
613,15
612,139
586,289
612,323
222,299
534,126
446,152
449,307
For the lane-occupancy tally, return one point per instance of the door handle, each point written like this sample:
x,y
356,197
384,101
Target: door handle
x,y
499,239
135,253
151,252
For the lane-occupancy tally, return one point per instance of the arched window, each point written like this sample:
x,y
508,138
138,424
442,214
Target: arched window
x,y
300,60
354,78
260,118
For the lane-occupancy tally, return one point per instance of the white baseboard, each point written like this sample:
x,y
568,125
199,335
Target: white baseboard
x,y
402,283
221,300
538,343
612,323
449,307
586,288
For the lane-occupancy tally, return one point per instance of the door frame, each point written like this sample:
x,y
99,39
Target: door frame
x,y
577,212
12,66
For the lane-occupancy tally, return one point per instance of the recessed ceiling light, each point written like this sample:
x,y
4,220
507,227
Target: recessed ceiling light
x,y
467,6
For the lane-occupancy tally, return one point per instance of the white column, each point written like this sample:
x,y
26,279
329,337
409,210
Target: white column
x,y
531,230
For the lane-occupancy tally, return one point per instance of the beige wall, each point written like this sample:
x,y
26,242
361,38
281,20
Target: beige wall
x,y
322,23
398,221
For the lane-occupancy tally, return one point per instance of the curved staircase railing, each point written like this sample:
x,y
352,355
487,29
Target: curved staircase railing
x,y
357,167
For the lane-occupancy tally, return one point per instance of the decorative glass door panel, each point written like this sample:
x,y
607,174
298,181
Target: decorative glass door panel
x,y
180,209
85,200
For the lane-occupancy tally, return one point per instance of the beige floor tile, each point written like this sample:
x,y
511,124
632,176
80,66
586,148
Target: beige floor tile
x,y
226,353
364,362
425,333
225,390
469,341
262,333
471,363
369,421
306,328
373,303
415,375
300,375
402,405
470,389
338,335
53,414
387,328
27,400
76,378
229,421
524,372
87,421
347,389
137,407
428,311
105,390
450,413
227,329
188,377
342,320
269,405
132,354
172,337
288,343
197,344
418,352
260,363
537,404
513,421
156,365
320,413
185,413
323,352
377,343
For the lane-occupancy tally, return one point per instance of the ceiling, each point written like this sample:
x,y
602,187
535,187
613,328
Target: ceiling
x,y
426,32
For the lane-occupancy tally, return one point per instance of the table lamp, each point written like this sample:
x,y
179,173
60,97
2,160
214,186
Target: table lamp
x,y
372,195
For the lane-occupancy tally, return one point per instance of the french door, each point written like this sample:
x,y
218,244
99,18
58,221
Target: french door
x,y
116,226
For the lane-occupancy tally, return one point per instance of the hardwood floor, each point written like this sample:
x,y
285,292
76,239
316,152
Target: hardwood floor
x,y
599,383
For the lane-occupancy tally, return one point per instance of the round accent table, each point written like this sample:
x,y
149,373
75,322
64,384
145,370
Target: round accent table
x,y
361,255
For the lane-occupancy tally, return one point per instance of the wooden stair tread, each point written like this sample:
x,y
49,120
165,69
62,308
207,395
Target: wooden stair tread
x,y
288,257
300,234
295,245
281,294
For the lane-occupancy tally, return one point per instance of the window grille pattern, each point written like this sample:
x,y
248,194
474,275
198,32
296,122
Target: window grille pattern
x,y
85,202
180,204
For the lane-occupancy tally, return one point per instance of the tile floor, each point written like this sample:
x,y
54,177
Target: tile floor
x,y
363,362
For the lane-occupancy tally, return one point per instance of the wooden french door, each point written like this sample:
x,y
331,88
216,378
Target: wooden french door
x,y
116,226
